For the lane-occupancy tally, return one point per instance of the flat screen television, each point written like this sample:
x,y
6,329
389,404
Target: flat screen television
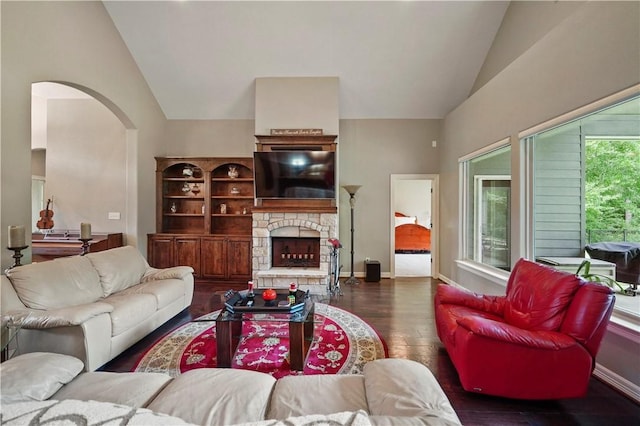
x,y
294,174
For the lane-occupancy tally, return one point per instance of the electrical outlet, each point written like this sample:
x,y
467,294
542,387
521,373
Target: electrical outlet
x,y
114,215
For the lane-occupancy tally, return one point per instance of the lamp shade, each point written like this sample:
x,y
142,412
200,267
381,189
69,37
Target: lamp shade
x,y
351,189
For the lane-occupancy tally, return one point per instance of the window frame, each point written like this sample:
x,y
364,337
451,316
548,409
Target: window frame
x,y
478,181
622,316
464,209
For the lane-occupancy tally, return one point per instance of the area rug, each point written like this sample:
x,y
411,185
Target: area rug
x,y
343,343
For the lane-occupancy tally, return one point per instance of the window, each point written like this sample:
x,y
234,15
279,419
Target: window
x,y
585,181
582,188
492,230
612,199
487,207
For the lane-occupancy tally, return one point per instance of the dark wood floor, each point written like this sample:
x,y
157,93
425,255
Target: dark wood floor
x,y
401,310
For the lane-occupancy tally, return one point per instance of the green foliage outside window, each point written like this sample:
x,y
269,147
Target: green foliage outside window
x,y
613,188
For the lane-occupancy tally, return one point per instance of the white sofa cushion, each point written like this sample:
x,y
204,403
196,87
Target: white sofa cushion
x,y
36,376
216,396
165,291
132,389
63,282
296,395
129,310
119,268
406,388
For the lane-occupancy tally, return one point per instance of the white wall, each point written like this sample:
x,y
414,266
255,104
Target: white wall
x,y
86,165
523,25
38,123
370,152
38,162
413,198
297,103
210,138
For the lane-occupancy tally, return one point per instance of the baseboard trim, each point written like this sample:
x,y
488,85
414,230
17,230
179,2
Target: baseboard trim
x,y
619,383
449,281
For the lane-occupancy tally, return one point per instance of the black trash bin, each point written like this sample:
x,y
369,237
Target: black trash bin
x,y
371,270
625,255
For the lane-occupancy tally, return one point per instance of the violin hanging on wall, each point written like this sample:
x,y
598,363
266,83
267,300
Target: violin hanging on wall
x,y
46,221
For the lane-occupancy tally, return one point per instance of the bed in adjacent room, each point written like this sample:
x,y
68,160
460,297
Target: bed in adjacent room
x,y
411,237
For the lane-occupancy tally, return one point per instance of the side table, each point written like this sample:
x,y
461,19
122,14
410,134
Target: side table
x,y
571,264
9,333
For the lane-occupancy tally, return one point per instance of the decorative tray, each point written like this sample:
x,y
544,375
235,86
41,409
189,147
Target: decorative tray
x,y
239,303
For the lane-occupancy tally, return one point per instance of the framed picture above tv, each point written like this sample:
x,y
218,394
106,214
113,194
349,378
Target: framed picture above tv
x,y
296,174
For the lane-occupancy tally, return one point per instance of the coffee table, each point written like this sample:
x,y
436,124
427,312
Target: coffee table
x,y
299,315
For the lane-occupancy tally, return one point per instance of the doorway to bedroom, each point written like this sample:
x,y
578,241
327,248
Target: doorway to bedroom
x,y
413,203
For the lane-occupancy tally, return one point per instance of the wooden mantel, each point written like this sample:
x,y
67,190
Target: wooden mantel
x,y
296,207
287,142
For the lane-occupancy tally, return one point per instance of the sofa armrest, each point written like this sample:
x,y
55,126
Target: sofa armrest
x,y
491,329
63,317
447,294
175,272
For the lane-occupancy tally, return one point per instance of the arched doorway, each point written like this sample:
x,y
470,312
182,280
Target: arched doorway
x,y
83,154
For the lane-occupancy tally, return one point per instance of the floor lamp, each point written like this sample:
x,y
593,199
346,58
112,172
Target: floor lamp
x,y
352,189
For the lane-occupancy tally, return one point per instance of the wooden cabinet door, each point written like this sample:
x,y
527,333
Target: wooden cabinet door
x,y
213,260
160,251
187,253
239,258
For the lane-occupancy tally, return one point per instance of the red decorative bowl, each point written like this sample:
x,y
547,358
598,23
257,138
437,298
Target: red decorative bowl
x,y
269,295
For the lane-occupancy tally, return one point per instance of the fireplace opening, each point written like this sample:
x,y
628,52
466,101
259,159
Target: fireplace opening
x,y
293,252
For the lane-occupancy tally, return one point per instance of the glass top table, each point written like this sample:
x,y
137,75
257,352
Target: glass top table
x,y
299,315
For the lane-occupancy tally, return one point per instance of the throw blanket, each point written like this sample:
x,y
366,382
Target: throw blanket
x,y
74,412
348,418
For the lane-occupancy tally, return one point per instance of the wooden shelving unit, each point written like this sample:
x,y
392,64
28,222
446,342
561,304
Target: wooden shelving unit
x,y
231,199
203,216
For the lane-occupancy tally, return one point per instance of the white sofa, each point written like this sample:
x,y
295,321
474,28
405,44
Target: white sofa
x,y
390,392
92,307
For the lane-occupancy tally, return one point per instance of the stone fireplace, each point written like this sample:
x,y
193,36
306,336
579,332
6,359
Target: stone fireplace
x,y
304,235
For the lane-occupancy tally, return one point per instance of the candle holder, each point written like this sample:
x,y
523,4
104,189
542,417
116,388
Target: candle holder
x,y
17,255
85,245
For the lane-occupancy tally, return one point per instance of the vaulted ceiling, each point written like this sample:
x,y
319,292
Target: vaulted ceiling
x,y
396,59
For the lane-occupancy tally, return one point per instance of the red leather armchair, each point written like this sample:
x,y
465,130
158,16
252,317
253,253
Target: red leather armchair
x,y
539,341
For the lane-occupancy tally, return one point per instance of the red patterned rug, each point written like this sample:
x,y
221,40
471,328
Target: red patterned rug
x,y
343,344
